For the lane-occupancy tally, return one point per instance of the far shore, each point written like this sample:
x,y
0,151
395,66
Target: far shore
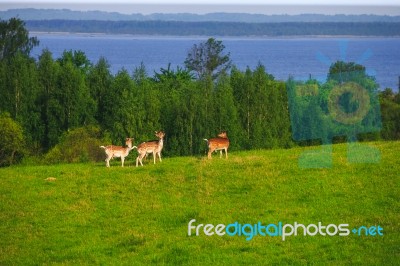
x,y
250,37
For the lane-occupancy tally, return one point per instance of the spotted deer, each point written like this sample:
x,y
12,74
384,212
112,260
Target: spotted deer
x,y
118,151
154,146
218,144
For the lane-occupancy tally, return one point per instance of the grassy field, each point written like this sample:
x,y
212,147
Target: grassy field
x,y
93,215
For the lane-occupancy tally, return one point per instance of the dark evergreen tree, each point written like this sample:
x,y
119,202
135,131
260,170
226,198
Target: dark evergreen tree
x,y
208,59
119,108
177,93
99,80
226,115
147,105
48,71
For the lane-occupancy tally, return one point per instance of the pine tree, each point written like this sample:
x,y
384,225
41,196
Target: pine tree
x,y
119,108
99,80
226,115
48,71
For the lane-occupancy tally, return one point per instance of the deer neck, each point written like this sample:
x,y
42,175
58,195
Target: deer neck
x,y
129,147
160,142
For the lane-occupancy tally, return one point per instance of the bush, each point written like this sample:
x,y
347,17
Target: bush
x,y
11,140
78,145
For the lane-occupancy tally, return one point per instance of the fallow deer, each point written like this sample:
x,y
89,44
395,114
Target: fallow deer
x,y
218,144
154,146
118,151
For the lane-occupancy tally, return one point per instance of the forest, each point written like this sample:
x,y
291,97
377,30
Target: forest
x,y
214,28
62,109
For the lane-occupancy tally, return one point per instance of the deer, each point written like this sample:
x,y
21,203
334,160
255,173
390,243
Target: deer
x,y
153,146
118,151
218,144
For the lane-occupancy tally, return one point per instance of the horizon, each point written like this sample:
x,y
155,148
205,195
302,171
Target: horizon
x,y
201,9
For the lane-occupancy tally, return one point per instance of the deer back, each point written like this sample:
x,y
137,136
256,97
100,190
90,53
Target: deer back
x,y
148,146
118,151
218,142
153,145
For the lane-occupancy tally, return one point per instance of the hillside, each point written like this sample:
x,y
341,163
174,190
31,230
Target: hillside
x,y
93,215
66,14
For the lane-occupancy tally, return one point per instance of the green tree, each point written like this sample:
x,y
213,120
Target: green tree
x,y
351,75
99,80
119,108
146,105
168,75
226,115
74,98
177,93
277,123
262,106
77,58
244,93
204,123
390,110
20,96
208,59
345,71
48,72
14,38
69,103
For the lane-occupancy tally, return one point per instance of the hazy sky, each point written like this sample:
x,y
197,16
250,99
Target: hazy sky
x,y
382,7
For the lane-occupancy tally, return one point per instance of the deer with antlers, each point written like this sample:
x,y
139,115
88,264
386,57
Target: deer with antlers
x,y
154,146
218,144
118,151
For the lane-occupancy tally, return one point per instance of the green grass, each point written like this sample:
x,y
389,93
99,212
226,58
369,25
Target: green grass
x,y
94,215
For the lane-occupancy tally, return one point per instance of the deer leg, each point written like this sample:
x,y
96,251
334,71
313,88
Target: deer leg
x,y
108,161
154,157
220,153
209,153
159,156
122,160
139,159
226,153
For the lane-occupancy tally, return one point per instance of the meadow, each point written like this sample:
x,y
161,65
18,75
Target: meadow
x,y
84,214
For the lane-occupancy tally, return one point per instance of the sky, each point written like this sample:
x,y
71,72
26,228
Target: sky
x,y
269,7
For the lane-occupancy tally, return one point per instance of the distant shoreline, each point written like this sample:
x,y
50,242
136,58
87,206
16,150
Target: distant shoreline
x,y
160,36
222,29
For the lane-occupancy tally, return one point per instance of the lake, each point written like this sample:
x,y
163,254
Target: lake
x,y
282,57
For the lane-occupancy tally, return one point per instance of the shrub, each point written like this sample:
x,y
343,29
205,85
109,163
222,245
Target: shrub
x,y
78,145
11,140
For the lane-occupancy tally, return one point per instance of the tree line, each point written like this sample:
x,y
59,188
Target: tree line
x,y
62,109
214,28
